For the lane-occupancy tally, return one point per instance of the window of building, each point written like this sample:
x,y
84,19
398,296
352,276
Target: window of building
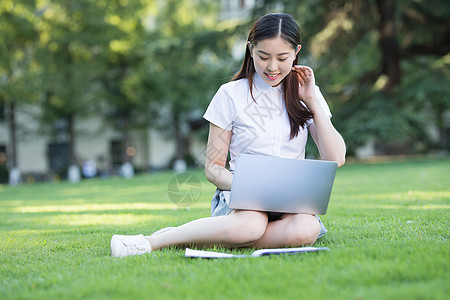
x,y
3,157
2,112
58,156
3,165
117,153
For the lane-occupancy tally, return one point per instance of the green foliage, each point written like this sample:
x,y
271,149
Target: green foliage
x,y
388,236
17,47
187,59
73,39
125,96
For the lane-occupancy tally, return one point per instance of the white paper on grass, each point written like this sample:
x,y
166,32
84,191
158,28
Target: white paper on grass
x,y
211,254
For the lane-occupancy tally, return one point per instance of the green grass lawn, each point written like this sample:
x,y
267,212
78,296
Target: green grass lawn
x,y
388,236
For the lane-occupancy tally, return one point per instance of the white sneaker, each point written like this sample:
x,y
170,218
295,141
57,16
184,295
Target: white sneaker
x,y
125,245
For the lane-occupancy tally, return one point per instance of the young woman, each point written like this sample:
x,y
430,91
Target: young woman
x,y
267,109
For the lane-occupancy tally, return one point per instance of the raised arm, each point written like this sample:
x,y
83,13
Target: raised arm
x,y
330,143
216,157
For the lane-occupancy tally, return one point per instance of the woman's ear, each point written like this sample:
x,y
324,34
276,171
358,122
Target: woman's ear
x,y
250,48
299,47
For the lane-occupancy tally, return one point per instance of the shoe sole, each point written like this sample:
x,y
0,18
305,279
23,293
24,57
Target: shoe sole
x,y
115,246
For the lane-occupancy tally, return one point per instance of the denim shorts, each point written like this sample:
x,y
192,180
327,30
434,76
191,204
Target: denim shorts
x,y
219,207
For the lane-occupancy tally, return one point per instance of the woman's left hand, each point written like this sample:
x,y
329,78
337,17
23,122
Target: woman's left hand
x,y
307,82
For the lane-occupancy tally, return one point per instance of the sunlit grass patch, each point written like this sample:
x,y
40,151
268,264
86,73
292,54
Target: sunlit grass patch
x,y
99,207
388,236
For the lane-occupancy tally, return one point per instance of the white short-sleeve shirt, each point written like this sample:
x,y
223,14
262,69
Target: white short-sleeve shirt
x,y
260,126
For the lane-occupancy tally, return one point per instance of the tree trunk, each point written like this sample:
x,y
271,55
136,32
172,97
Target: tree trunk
x,y
71,133
180,139
12,135
145,141
390,51
126,140
440,122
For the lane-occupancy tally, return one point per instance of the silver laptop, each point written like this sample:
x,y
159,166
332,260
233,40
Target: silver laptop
x,y
267,183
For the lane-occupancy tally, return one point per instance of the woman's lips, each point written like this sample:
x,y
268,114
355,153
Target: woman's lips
x,y
272,76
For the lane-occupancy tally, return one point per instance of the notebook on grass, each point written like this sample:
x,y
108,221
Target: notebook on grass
x,y
261,252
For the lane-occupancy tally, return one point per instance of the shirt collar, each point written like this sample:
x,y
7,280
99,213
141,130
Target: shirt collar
x,y
261,85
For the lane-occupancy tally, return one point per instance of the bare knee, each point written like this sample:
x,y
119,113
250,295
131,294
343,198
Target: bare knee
x,y
304,229
246,227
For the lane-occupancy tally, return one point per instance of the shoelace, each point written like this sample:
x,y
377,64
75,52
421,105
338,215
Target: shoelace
x,y
132,248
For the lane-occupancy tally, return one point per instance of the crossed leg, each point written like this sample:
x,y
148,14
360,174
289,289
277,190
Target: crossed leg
x,y
242,229
237,229
291,230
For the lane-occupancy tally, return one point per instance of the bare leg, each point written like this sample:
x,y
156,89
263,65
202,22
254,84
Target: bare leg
x,y
292,230
234,230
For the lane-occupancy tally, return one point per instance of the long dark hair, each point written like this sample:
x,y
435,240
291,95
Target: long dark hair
x,y
267,27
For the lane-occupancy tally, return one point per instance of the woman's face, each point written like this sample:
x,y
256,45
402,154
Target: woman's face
x,y
273,59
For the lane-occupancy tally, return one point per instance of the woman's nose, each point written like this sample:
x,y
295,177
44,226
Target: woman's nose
x,y
272,66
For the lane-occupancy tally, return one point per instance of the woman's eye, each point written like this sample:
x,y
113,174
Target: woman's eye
x,y
263,58
282,59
